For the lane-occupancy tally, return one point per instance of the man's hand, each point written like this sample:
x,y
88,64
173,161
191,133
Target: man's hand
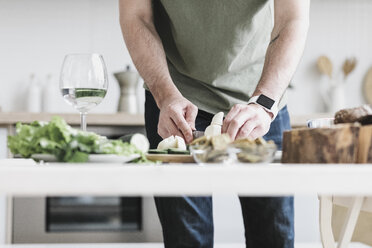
x,y
177,117
246,121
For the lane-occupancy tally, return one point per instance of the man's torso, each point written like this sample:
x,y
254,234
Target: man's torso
x,y
215,48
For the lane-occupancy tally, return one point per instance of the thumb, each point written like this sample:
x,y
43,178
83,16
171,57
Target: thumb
x,y
190,116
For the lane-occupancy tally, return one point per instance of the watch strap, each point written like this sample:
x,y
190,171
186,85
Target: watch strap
x,y
273,109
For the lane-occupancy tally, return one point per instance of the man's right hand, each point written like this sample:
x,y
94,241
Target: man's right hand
x,y
177,117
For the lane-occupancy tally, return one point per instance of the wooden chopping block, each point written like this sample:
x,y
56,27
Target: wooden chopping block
x,y
338,144
365,144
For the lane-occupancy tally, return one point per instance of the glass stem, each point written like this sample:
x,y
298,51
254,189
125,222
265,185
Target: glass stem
x,y
83,121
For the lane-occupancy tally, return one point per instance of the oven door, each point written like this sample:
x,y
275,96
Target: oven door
x,y
85,220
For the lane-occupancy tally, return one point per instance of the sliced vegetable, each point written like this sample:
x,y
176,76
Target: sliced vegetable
x,y
181,145
140,141
217,119
212,130
157,151
167,143
215,127
178,151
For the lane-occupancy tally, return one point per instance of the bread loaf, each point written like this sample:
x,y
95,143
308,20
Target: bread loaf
x,y
362,114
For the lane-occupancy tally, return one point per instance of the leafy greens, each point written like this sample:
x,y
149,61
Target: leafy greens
x,y
64,142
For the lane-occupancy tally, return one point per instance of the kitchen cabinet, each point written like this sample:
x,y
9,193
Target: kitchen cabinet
x,y
117,119
104,124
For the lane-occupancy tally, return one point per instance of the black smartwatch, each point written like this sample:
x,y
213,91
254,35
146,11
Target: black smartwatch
x,y
267,103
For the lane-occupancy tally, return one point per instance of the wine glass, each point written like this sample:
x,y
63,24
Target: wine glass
x,y
83,82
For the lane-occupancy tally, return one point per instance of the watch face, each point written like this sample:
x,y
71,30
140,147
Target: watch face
x,y
265,101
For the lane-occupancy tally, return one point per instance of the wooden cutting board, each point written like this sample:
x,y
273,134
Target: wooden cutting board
x,y
171,158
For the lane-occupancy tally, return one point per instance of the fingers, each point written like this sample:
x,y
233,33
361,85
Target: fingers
x,y
178,118
162,130
235,125
246,121
229,117
237,121
174,130
167,128
190,115
257,132
183,126
247,129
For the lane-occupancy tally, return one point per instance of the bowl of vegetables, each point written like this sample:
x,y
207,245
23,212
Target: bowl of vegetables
x,y
212,150
221,149
255,151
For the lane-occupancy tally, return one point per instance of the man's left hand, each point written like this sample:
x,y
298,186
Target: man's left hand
x,y
246,121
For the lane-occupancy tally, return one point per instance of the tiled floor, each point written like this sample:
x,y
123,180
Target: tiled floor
x,y
149,245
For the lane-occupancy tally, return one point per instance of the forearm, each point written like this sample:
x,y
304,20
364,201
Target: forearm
x,y
147,52
282,57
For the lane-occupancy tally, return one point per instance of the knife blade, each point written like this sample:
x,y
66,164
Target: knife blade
x,y
197,134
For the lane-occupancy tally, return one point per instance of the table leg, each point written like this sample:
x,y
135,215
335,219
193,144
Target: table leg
x,y
325,221
350,222
9,219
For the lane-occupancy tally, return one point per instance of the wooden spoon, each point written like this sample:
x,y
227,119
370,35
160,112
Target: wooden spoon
x,y
325,66
349,66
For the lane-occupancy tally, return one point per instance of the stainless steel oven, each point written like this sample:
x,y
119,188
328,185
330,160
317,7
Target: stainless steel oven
x,y
85,219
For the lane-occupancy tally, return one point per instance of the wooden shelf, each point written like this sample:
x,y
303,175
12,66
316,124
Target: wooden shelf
x,y
116,119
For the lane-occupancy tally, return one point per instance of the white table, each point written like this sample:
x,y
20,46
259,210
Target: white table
x,y
25,178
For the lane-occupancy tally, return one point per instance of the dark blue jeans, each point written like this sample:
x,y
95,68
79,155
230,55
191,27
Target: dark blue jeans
x,y
188,221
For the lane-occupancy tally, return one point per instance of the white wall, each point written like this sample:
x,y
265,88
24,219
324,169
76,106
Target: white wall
x,y
36,34
338,29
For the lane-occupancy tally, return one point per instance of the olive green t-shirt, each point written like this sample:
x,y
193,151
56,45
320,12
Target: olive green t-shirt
x,y
215,48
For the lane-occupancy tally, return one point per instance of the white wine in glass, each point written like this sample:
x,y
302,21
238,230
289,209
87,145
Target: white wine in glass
x,y
83,82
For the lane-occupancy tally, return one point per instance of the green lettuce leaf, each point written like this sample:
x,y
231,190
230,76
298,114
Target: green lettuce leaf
x,y
64,142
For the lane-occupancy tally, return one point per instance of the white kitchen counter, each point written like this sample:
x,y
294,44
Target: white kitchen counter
x,y
114,119
24,177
